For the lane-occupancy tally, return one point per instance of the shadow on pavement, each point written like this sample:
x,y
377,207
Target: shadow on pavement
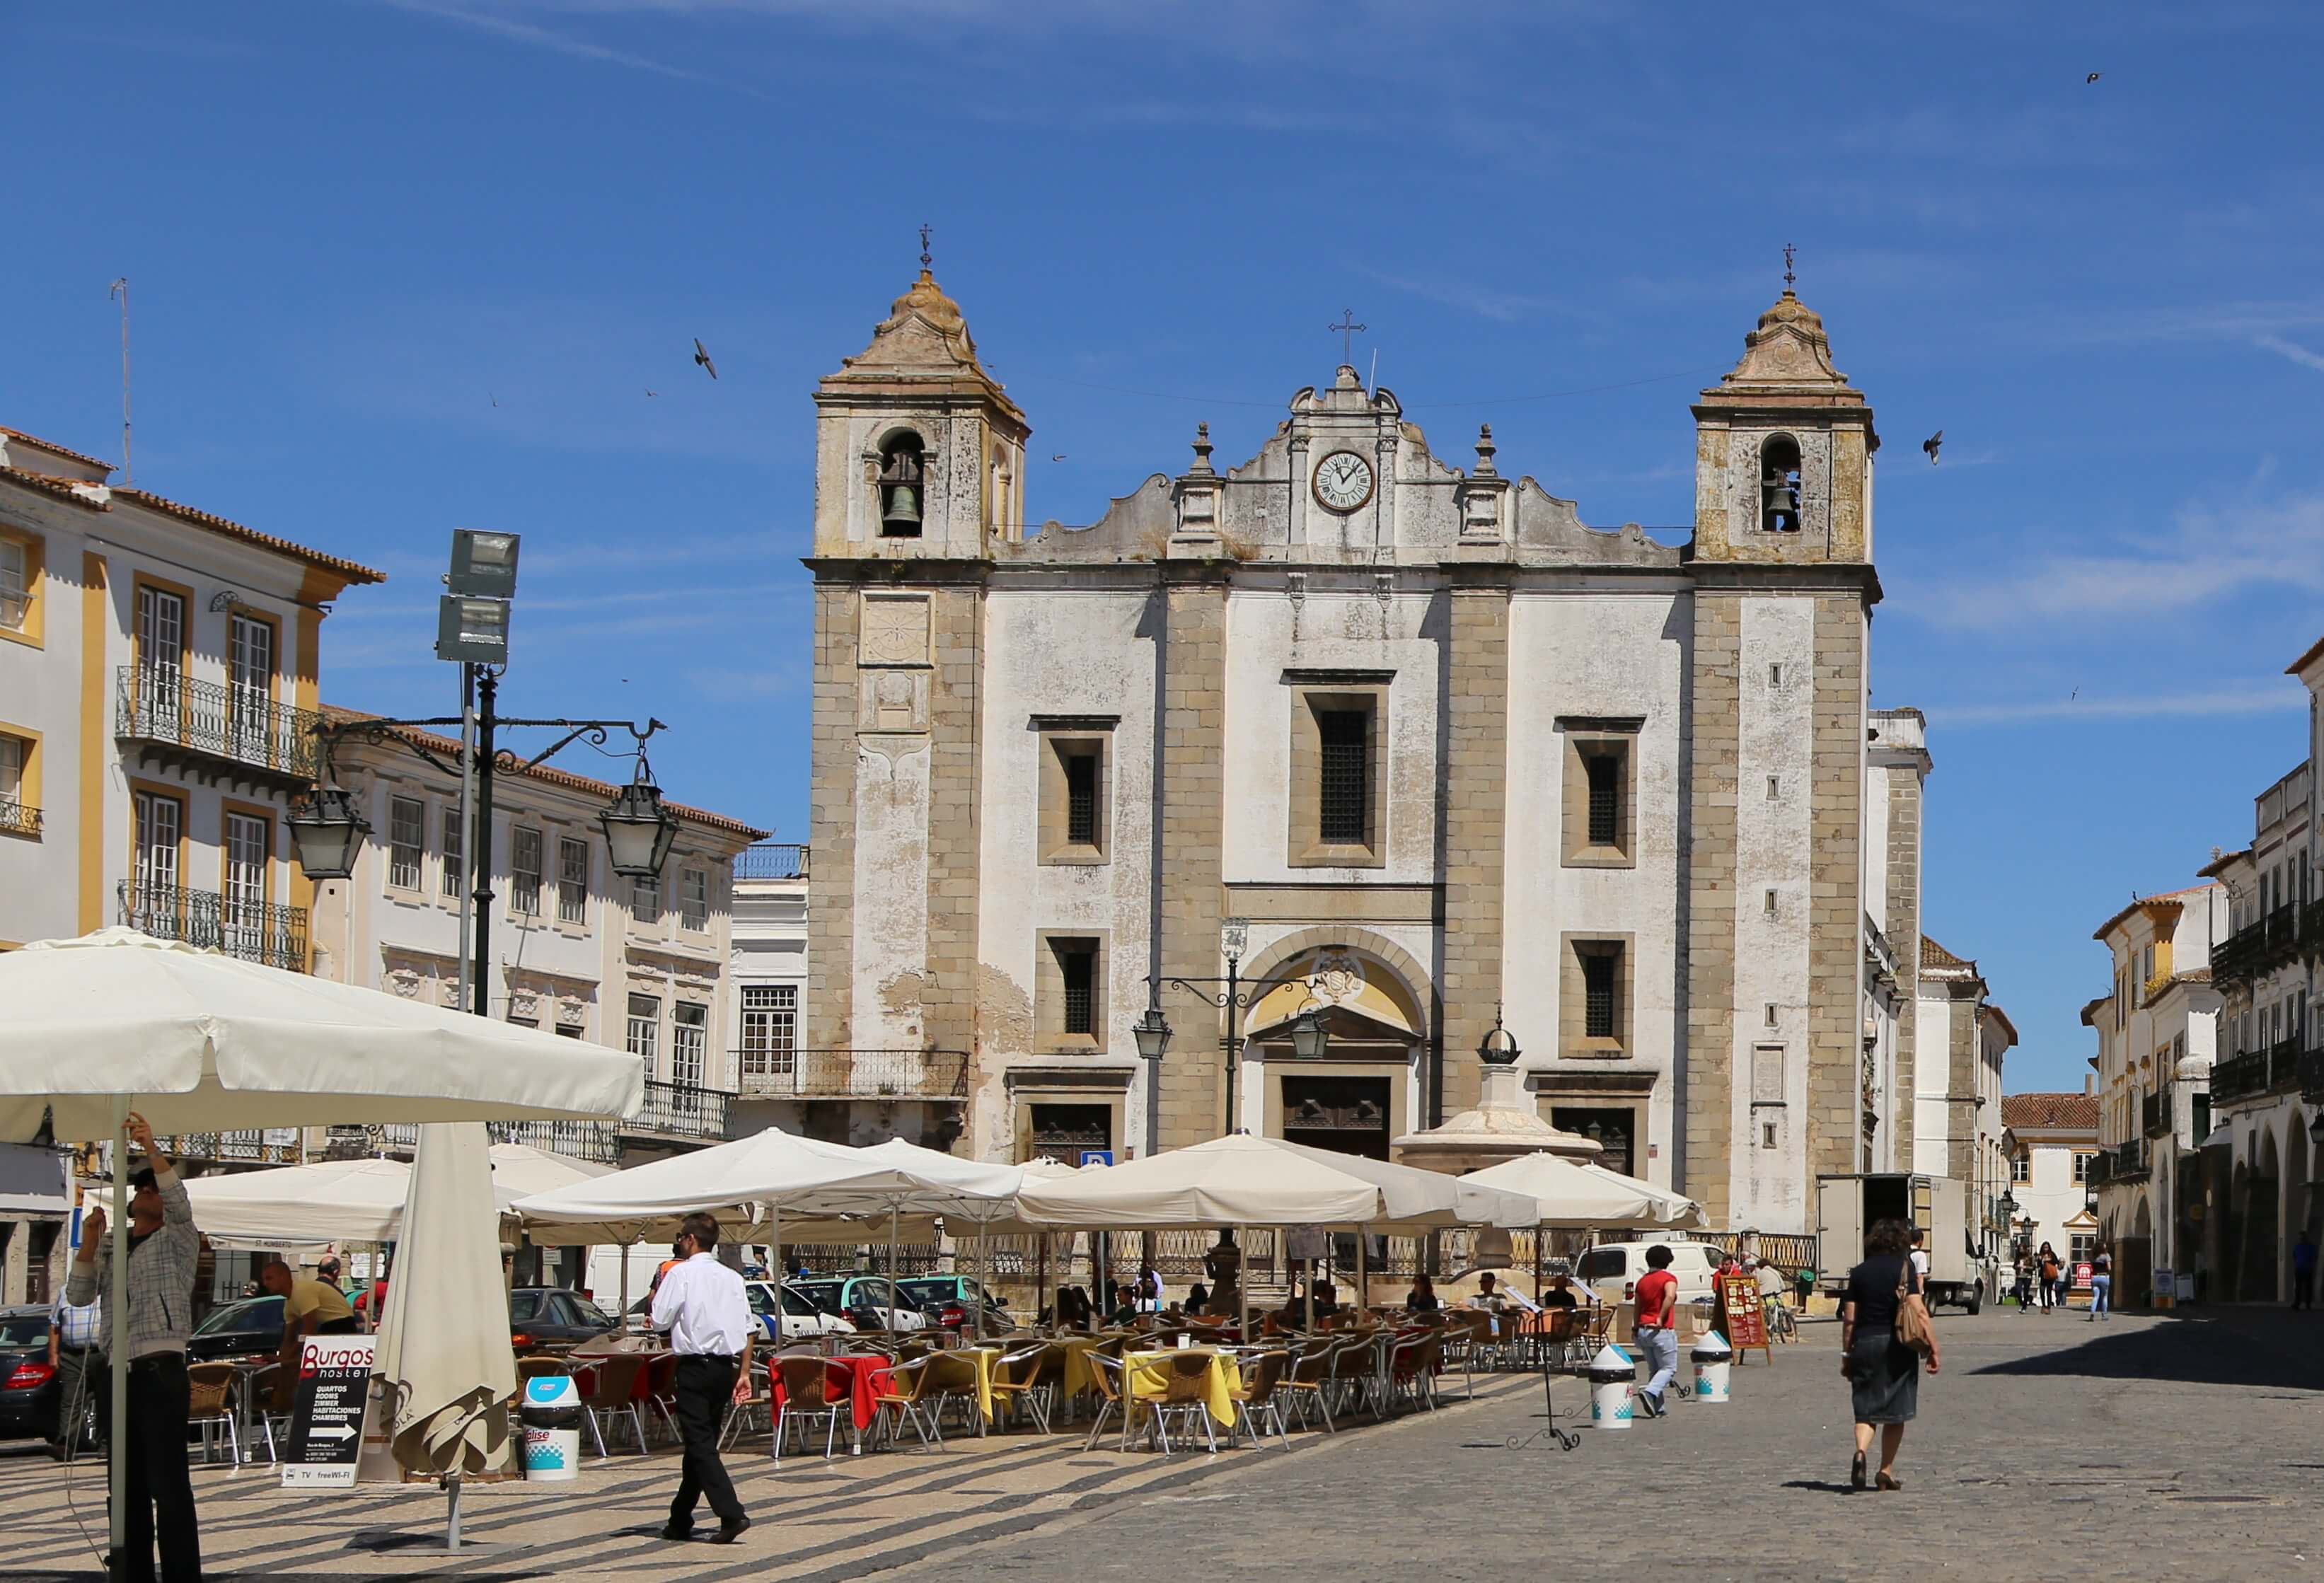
x,y
2248,1347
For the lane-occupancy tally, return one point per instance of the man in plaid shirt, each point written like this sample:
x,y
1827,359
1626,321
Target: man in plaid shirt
x,y
163,1248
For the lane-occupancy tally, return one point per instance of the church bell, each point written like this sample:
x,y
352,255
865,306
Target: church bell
x,y
903,505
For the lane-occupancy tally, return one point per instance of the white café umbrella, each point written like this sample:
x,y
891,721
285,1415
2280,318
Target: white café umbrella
x,y
1570,1195
352,1200
444,1354
1670,1208
981,1193
198,1042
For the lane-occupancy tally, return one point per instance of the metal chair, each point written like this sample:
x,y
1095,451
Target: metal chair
x,y
1309,1383
1412,1369
209,1405
813,1387
1186,1397
1254,1398
757,1397
909,1399
1108,1384
1028,1379
609,1387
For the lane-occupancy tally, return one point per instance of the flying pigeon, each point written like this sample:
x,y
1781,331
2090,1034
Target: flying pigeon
x,y
1058,457
702,355
2092,77
1933,443
653,392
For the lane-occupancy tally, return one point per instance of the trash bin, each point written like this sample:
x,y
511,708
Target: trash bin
x,y
1612,1376
1712,1358
551,1414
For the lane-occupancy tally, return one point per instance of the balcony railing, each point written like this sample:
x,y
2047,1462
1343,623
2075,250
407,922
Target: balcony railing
x,y
2311,1075
599,1142
852,1074
2155,1112
2101,1170
254,931
172,709
2129,1160
680,1109
2284,1064
2239,1077
16,819
771,859
272,1145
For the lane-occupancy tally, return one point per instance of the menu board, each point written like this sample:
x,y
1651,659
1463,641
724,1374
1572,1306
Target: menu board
x,y
327,1419
1746,1323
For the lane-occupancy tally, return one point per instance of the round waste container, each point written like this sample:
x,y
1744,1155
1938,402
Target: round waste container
x,y
1611,1375
551,1414
1712,1356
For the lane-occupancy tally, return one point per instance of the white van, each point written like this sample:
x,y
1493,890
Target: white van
x,y
1613,1270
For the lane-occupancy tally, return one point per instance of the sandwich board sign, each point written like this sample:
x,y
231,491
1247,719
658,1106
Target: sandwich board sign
x,y
326,1421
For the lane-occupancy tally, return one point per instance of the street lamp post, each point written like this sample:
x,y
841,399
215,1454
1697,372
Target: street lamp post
x,y
1151,1032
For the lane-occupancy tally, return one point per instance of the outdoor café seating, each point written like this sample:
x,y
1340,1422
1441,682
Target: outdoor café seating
x,y
1308,1383
609,1389
1026,1380
811,1389
1255,1406
209,1391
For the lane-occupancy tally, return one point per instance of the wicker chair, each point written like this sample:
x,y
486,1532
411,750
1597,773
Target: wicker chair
x,y
1308,1383
1254,1399
1186,1397
1106,1381
1028,1380
912,1397
813,1389
659,1390
758,1397
210,1404
1412,1364
609,1389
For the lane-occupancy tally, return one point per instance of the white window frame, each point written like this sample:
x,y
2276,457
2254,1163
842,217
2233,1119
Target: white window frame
x,y
694,899
572,880
770,1029
397,864
689,1042
524,883
454,849
642,1032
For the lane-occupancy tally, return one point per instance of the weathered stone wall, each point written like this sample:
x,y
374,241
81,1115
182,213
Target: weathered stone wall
x,y
1902,926
831,797
1836,946
1188,806
1707,1075
1474,799
955,808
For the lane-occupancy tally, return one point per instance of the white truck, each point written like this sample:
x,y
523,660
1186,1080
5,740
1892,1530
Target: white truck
x,y
1960,1270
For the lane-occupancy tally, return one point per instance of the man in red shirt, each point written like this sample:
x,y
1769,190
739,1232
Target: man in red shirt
x,y
1658,1299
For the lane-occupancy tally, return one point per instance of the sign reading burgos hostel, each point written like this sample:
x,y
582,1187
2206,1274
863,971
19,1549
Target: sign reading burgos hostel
x,y
326,1421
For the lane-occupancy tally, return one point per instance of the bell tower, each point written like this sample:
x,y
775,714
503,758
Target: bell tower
x,y
1783,451
919,453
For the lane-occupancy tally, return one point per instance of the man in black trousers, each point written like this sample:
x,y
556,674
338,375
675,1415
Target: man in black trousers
x,y
158,1309
702,1304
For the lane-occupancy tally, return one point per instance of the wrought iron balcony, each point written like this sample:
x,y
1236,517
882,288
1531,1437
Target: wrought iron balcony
x,y
597,1141
2154,1112
2239,1077
2100,1169
254,931
170,714
2237,959
16,819
771,859
680,1109
272,1145
2311,1075
2129,1160
852,1074
2284,1064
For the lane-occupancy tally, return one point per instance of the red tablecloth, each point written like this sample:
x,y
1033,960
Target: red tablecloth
x,y
868,1375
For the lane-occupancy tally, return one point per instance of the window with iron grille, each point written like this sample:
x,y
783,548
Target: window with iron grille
x,y
406,838
1078,973
1605,772
644,1040
1344,782
452,847
572,880
689,1038
1081,798
524,873
1597,1013
694,899
770,1029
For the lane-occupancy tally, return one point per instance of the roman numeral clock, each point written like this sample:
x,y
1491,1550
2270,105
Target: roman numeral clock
x,y
1343,482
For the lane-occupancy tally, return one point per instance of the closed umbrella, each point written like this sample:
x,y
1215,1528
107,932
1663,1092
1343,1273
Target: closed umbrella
x,y
444,1354
199,1042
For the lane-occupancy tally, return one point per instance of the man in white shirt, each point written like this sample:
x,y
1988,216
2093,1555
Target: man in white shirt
x,y
702,1305
1921,1257
1491,1294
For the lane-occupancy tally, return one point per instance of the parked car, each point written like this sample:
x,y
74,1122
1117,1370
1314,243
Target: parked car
x,y
554,1319
1614,1270
28,1383
801,1318
950,1299
865,1302
249,1327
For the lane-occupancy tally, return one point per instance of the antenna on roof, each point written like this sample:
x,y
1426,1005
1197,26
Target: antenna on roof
x,y
121,290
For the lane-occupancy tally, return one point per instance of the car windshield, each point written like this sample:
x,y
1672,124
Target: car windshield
x,y
762,1301
1603,1263
525,1307
941,1289
23,1329
823,1295
587,1311
251,1316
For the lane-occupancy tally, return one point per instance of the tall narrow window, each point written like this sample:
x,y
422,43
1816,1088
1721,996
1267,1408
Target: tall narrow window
x,y
245,913
406,835
250,685
15,583
694,899
902,491
1344,781
1605,772
161,643
689,1036
156,902
644,1033
770,1029
12,777
1779,484
1077,966
455,877
645,900
1598,1011
1081,798
572,880
524,873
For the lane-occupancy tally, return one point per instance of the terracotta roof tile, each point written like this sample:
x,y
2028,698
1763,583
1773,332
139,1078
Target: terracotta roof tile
x,y
2072,1113
2301,664
551,775
1935,955
49,484
350,570
52,446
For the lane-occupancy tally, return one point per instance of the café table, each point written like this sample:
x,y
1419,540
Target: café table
x,y
869,1374
1145,1376
246,1371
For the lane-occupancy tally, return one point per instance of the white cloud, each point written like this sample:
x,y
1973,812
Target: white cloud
x,y
2280,696
2297,352
491,21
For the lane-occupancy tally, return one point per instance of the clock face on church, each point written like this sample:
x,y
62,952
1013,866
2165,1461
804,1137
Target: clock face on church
x,y
1343,482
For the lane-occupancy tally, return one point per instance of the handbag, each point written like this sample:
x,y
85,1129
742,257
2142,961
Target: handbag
x,y
1912,1327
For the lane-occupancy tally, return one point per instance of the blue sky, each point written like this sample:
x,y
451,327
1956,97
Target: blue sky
x,y
403,266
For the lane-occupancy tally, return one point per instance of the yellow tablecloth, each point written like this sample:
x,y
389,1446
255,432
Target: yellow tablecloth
x,y
1146,1376
982,1358
1077,1368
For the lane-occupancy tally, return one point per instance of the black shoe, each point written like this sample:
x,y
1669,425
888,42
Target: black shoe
x,y
1651,1403
680,1532
728,1533
1856,1474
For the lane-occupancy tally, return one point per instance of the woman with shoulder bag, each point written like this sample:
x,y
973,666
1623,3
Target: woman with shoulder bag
x,y
1884,1334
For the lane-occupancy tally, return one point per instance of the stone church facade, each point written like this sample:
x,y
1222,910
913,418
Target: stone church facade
x,y
1417,746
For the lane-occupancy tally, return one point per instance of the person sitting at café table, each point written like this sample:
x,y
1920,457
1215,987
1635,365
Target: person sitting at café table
x,y
1422,1298
1125,1307
1198,1301
1559,1292
1491,1294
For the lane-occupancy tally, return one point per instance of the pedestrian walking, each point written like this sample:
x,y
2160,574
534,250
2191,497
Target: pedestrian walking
x,y
2303,1271
2101,1284
165,1248
1883,1373
2046,1267
1920,1256
1658,1299
702,1305
75,1341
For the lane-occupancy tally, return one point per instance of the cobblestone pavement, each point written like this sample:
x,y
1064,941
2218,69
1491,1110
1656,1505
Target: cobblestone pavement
x,y
2047,1449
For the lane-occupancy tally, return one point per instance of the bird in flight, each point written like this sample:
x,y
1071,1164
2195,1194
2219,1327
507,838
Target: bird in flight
x,y
2092,77
495,399
653,392
1058,457
702,355
1932,444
